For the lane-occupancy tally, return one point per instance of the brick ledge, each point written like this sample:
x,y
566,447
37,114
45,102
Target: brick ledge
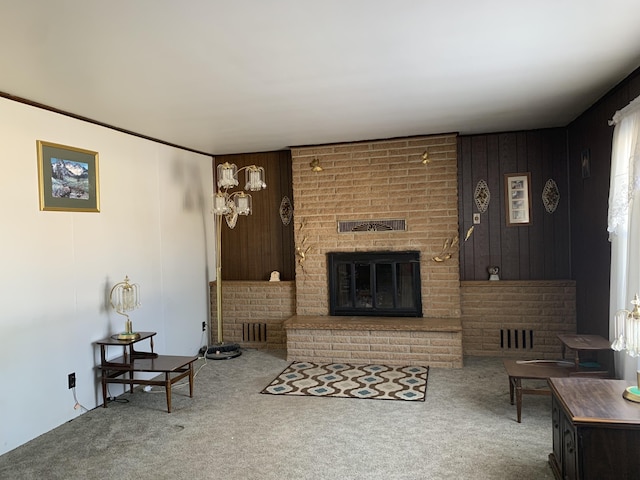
x,y
325,322
518,283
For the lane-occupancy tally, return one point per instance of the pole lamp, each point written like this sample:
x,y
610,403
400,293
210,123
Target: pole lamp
x,y
229,204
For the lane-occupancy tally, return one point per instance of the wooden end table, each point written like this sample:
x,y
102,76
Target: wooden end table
x,y
173,368
587,343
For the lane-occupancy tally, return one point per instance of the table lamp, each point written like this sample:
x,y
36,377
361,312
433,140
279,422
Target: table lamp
x,y
125,297
627,332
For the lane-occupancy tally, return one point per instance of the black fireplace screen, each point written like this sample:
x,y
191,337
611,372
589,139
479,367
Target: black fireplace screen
x,y
375,283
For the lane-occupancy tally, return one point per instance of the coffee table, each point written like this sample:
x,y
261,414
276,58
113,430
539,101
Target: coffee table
x,y
519,370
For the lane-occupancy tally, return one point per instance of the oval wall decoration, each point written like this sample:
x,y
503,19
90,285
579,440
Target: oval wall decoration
x,y
482,196
550,196
286,210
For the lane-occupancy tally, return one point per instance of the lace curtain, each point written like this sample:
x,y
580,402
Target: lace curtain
x,y
624,223
625,165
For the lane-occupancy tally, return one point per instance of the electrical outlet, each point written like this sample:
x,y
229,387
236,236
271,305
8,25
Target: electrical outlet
x,y
72,380
204,326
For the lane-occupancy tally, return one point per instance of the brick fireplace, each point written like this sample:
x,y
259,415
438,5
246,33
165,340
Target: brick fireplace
x,y
373,183
383,179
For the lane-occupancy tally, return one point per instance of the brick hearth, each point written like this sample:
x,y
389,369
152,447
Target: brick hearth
x,y
436,342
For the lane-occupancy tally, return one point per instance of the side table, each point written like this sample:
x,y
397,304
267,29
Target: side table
x,y
587,343
172,367
128,352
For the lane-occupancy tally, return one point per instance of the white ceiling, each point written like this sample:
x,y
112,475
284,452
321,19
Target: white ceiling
x,y
230,76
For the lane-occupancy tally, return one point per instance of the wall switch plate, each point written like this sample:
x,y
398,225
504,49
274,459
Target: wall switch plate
x,y
476,219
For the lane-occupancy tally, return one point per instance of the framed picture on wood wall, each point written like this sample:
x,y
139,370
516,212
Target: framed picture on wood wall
x,y
517,197
68,178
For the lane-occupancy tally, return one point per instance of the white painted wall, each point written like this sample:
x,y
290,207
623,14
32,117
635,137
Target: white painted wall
x,y
57,268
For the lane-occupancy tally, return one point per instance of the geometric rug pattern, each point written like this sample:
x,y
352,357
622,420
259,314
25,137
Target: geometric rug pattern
x,y
345,380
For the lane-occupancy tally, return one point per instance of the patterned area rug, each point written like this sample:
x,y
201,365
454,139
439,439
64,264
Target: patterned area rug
x,y
351,381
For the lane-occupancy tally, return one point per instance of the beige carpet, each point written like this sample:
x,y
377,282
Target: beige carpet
x,y
465,429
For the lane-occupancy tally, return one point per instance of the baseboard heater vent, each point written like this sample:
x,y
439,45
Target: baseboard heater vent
x,y
254,332
516,339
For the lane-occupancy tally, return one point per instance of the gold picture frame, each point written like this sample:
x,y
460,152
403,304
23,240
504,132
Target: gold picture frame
x,y
517,198
68,178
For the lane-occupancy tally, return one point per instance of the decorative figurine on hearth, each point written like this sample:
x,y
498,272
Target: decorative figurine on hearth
x,y
493,273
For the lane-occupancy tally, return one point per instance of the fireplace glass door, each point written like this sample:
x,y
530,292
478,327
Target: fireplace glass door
x,y
375,283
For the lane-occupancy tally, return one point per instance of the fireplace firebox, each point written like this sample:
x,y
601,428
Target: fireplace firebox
x,y
374,283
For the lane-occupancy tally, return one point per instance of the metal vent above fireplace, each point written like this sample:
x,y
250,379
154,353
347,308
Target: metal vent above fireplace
x,y
375,283
351,226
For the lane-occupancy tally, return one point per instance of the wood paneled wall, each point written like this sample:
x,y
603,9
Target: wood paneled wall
x,y
539,251
261,243
590,248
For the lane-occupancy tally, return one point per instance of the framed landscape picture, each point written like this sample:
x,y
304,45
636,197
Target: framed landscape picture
x,y
517,198
68,178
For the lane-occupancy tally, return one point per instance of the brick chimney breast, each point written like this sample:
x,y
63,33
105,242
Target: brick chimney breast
x,y
373,180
